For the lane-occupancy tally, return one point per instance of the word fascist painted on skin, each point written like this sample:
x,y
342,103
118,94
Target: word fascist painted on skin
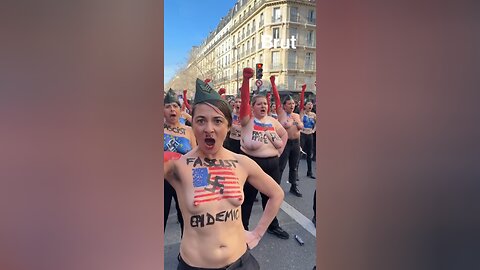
x,y
174,129
227,163
209,219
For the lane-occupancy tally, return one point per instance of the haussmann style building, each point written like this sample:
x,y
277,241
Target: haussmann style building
x,y
279,34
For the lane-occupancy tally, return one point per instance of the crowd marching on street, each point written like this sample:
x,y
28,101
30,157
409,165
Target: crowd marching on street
x,y
232,149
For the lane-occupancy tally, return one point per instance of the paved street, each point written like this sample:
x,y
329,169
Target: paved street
x,y
272,252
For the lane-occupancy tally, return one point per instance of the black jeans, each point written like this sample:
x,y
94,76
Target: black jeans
x,y
269,166
315,146
169,192
246,262
291,153
307,146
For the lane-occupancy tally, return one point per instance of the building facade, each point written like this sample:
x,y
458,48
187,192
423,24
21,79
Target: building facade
x,y
278,33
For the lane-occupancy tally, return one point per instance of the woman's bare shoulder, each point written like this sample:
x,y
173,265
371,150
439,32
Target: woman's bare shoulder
x,y
244,161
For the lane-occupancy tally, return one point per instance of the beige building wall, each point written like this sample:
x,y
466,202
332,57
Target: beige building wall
x,y
238,44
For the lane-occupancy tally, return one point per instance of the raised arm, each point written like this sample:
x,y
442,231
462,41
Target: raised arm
x,y
266,185
187,116
268,103
278,104
185,100
302,99
276,95
245,95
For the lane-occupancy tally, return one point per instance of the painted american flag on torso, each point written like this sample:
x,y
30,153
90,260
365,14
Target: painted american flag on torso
x,y
214,184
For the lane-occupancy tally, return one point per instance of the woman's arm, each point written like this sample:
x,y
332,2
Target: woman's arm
x,y
268,103
185,100
302,101
266,185
278,103
187,116
168,164
282,132
297,121
245,95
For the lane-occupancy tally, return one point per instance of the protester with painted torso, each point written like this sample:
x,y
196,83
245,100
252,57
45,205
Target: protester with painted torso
x,y
236,130
263,140
273,111
307,133
292,123
209,182
177,138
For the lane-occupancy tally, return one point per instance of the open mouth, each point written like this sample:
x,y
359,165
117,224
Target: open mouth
x,y
210,142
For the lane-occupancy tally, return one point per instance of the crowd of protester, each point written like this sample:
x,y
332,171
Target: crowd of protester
x,y
232,149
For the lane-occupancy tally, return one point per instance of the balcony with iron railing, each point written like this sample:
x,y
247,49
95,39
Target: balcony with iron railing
x,y
294,18
277,19
276,66
305,43
309,66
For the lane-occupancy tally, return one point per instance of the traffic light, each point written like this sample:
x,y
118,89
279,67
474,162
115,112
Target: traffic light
x,y
259,71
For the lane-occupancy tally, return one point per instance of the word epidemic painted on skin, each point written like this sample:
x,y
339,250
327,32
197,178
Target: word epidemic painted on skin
x,y
208,219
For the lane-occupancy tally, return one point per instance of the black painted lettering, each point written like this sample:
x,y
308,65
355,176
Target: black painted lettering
x,y
190,160
197,221
227,164
233,162
210,219
198,161
220,216
200,221
228,215
178,130
210,162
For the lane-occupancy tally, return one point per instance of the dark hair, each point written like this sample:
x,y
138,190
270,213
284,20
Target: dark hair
x,y
220,105
287,98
